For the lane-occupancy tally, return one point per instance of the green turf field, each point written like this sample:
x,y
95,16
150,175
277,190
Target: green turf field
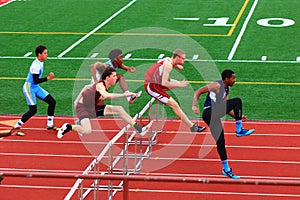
x,y
216,35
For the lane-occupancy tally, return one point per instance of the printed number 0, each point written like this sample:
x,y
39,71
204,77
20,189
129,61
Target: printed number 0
x,y
284,22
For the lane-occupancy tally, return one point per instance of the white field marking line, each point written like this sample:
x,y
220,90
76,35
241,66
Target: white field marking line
x,y
219,176
46,155
96,29
238,39
27,54
213,192
7,3
155,59
94,55
231,160
187,19
128,56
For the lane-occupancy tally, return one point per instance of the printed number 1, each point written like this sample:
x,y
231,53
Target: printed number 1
x,y
222,21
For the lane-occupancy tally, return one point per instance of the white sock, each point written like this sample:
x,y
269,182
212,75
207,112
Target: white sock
x,y
19,124
50,121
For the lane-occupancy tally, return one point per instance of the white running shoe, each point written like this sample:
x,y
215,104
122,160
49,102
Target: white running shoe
x,y
63,130
132,99
145,129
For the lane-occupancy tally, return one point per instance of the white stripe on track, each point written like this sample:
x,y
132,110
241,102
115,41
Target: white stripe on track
x,y
7,3
214,193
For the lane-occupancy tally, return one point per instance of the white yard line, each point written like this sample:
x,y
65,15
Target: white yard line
x,y
155,59
238,39
95,29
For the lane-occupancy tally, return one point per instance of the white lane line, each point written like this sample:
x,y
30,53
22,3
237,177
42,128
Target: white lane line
x,y
34,187
46,155
218,160
219,176
41,170
238,39
154,158
96,29
213,193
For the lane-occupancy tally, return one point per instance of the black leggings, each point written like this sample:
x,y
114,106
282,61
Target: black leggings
x,y
212,117
33,109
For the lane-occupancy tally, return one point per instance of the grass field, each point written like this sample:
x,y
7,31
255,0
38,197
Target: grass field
x,y
215,34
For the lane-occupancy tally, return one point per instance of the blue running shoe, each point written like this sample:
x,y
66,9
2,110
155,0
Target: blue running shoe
x,y
244,132
230,174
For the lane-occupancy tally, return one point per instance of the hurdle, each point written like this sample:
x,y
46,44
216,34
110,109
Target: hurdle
x,y
135,158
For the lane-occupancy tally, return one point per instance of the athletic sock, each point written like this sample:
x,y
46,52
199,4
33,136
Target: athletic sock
x,y
225,165
50,121
238,124
19,124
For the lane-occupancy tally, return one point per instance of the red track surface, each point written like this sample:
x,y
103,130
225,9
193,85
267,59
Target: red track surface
x,y
272,152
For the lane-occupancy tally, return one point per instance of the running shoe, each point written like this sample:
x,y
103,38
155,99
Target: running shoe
x,y
244,132
230,174
197,128
143,129
16,131
53,127
63,130
132,99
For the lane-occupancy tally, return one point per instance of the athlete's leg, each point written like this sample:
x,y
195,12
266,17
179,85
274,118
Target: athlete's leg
x,y
51,108
51,104
85,127
122,82
236,105
118,110
25,117
178,112
217,132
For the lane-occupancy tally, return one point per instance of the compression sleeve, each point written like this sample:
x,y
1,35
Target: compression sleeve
x,y
37,80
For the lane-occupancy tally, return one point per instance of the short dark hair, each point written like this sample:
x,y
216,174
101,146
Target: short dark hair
x,y
113,54
227,73
107,72
40,49
178,52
